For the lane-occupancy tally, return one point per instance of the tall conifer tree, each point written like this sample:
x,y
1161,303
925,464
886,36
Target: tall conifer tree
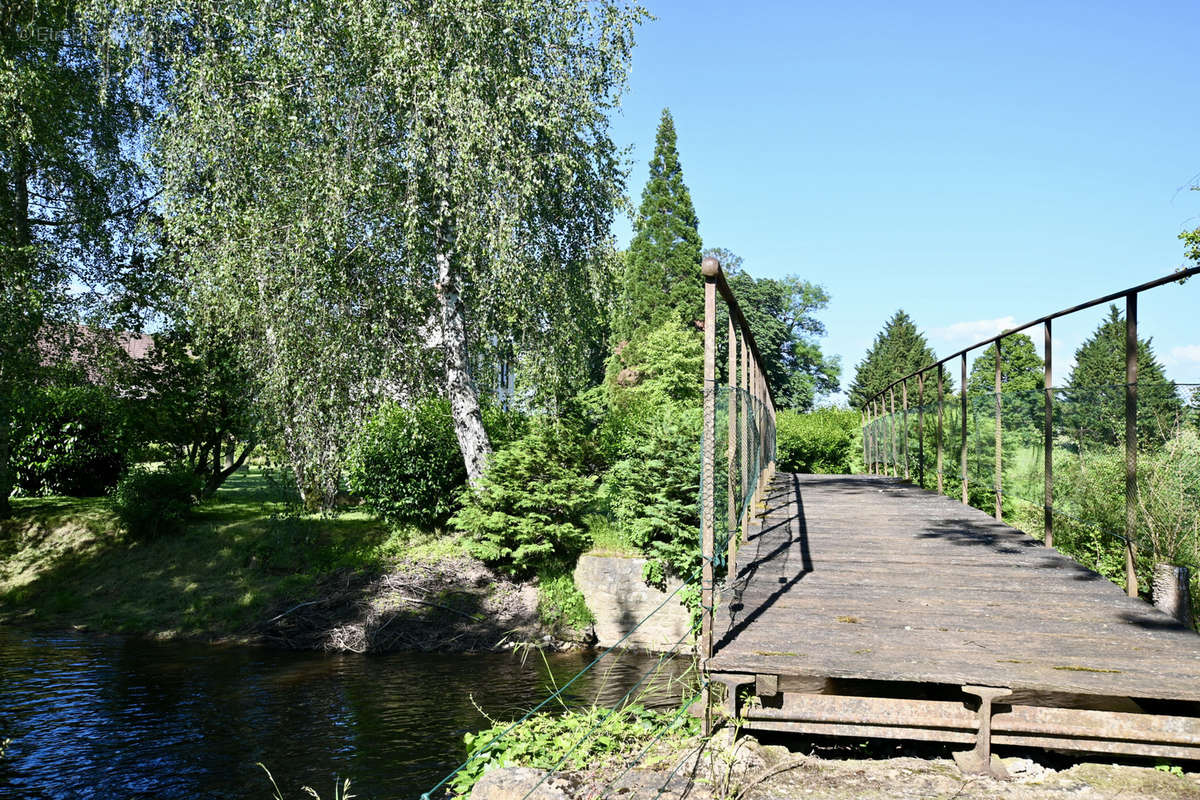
x,y
1096,389
899,349
662,276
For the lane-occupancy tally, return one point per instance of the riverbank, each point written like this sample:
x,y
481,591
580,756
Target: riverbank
x,y
250,567
747,770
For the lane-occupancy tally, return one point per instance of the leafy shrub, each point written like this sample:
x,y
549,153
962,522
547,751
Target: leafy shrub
x,y
155,503
72,440
406,465
818,441
602,738
653,493
662,365
1169,500
560,603
527,511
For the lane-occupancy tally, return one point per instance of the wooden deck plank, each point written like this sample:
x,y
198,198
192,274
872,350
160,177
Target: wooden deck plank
x,y
866,577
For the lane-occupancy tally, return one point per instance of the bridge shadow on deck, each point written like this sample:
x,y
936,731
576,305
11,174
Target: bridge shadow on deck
x,y
796,533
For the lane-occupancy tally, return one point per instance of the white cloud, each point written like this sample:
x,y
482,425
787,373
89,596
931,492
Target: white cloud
x,y
1184,355
962,334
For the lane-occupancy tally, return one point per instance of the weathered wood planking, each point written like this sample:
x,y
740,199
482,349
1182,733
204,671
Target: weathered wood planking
x,y
869,578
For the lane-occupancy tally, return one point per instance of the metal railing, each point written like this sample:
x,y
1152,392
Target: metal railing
x,y
748,406
882,447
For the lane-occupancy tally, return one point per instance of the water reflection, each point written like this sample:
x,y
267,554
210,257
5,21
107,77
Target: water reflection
x,y
115,718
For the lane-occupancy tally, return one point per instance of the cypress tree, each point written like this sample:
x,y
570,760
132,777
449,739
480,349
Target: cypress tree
x,y
1095,392
898,350
1022,381
662,275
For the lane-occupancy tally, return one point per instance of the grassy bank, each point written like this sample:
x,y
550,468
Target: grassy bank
x,y
65,563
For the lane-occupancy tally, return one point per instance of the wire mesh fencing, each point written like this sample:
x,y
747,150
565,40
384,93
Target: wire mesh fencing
x,y
1077,496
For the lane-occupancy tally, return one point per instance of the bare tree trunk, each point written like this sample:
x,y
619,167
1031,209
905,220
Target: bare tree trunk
x,y
464,401
1172,592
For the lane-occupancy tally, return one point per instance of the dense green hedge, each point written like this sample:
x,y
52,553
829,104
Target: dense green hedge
x,y
406,465
818,441
72,440
153,503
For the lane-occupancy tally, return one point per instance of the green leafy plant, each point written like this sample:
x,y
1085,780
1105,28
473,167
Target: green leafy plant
x,y
72,440
596,737
560,603
527,511
653,493
406,465
152,503
819,441
1170,769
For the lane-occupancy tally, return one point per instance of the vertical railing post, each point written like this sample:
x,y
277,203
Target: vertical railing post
x,y
862,417
921,429
871,434
999,428
940,426
877,437
869,410
892,430
1131,402
758,434
731,451
711,268
1048,442
904,424
963,408
743,400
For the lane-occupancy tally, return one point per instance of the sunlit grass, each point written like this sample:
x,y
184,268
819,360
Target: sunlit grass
x,y
64,562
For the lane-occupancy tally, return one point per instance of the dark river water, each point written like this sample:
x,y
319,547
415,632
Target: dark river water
x,y
120,718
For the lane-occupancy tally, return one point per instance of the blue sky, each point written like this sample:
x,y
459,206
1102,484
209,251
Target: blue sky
x,y
978,165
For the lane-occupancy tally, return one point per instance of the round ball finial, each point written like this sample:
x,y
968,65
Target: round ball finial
x,y
710,266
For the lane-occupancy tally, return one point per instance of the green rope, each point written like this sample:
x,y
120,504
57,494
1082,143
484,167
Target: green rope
x,y
619,706
637,759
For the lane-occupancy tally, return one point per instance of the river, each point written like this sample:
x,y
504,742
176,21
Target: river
x,y
115,718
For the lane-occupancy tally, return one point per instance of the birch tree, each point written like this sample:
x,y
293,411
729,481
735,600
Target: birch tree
x,y
374,195
72,192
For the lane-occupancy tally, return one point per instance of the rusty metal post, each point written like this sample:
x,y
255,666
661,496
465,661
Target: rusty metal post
x,y
879,445
1131,403
999,428
1048,443
870,427
743,400
892,431
874,444
731,452
921,429
963,409
941,406
711,268
759,409
904,424
862,418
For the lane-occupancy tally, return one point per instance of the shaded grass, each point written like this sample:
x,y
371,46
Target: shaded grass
x,y
607,539
64,562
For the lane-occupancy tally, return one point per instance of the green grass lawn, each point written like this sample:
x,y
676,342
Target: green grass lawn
x,y
64,562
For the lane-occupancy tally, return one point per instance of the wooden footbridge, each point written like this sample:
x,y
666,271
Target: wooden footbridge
x,y
866,606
